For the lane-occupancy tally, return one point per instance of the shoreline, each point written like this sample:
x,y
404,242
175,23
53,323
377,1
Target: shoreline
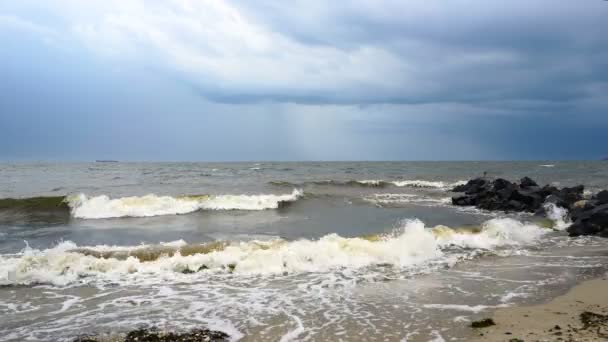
x,y
579,315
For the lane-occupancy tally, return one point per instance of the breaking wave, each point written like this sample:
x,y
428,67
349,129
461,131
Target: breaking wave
x,y
411,245
558,215
98,207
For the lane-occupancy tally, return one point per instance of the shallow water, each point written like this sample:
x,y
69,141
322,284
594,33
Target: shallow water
x,y
299,251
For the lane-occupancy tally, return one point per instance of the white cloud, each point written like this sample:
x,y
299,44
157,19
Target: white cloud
x,y
217,46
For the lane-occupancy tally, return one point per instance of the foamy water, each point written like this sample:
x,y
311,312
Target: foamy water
x,y
412,244
96,207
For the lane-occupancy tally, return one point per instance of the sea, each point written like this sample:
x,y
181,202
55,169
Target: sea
x,y
278,251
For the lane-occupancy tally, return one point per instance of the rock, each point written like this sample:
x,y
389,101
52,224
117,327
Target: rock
x,y
478,187
463,200
483,323
527,182
601,197
548,190
531,200
592,221
460,188
501,183
491,203
516,206
590,216
505,193
571,195
472,186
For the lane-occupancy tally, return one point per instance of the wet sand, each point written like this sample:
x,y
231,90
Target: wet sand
x,y
579,315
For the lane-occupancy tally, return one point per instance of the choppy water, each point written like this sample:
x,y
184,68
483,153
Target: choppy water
x,y
275,251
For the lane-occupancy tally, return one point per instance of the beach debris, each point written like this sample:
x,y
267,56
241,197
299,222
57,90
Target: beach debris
x,y
592,319
156,335
483,323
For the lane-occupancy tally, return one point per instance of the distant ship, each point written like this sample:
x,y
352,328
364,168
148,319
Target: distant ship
x,y
106,161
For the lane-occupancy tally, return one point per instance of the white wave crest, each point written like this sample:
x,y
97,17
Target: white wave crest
x,y
98,207
371,182
426,184
413,244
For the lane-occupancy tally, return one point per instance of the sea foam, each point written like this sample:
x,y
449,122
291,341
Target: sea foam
x,y
412,244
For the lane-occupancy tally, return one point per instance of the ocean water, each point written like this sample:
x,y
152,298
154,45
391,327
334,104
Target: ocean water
x,y
267,251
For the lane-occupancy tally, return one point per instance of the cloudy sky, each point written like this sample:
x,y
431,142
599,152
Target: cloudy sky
x,y
303,79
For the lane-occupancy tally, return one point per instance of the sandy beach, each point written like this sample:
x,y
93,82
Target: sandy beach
x,y
579,315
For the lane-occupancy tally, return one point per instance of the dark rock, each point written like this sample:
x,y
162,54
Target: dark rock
x,y
582,209
531,200
483,323
590,216
463,200
534,189
471,186
516,206
571,195
501,183
557,200
478,188
591,222
500,194
527,182
460,188
490,203
548,190
601,197
505,193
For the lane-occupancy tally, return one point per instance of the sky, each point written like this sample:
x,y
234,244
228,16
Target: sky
x,y
219,80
